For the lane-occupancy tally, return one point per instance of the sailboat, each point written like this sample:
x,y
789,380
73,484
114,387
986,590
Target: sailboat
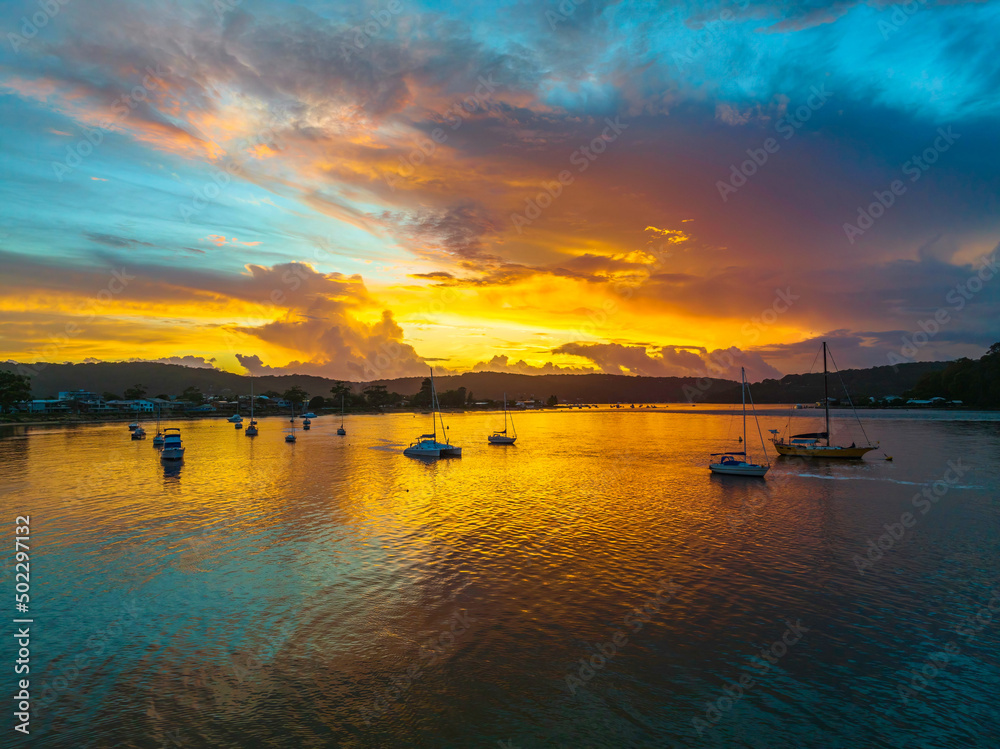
x,y
808,445
290,437
251,431
138,433
340,430
427,445
739,463
158,439
500,437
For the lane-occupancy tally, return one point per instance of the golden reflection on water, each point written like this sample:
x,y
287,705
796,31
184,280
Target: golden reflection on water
x,y
321,567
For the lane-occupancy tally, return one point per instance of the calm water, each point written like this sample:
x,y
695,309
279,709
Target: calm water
x,y
335,593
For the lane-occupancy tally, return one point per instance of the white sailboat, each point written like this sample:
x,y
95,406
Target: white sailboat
x,y
172,448
251,431
739,463
501,437
427,445
340,430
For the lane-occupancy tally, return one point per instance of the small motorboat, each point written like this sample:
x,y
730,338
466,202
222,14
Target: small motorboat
x,y
309,415
133,426
306,423
139,433
172,448
235,419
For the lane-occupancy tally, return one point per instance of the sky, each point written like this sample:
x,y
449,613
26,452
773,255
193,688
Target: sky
x,y
361,190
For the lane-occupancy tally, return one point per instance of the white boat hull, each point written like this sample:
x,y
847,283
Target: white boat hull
x,y
172,453
739,469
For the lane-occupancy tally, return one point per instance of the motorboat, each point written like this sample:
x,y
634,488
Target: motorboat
x,y
172,448
139,433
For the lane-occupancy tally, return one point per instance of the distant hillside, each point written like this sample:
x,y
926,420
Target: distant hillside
x,y
172,379
808,388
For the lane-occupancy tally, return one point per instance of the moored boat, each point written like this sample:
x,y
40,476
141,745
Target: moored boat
x,y
739,463
172,447
817,444
501,437
427,445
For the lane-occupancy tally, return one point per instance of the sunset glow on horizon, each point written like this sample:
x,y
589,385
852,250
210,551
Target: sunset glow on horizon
x,y
361,190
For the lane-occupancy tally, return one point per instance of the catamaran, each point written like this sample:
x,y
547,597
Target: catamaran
x,y
808,445
501,437
340,430
251,431
427,445
739,463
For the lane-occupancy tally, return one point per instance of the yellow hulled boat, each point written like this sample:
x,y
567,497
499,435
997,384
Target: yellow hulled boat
x,y
817,444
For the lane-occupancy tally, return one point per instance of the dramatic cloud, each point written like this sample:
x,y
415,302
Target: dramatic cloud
x,y
634,187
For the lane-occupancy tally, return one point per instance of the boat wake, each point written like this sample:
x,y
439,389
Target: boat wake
x,y
870,478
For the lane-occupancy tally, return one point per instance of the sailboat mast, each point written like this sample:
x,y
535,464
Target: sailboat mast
x,y
826,395
433,406
505,413
743,374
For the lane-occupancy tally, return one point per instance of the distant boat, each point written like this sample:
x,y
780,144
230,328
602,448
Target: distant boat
x,y
251,431
158,439
139,433
133,426
500,437
290,437
235,418
427,445
739,463
306,423
340,430
309,415
172,449
808,445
